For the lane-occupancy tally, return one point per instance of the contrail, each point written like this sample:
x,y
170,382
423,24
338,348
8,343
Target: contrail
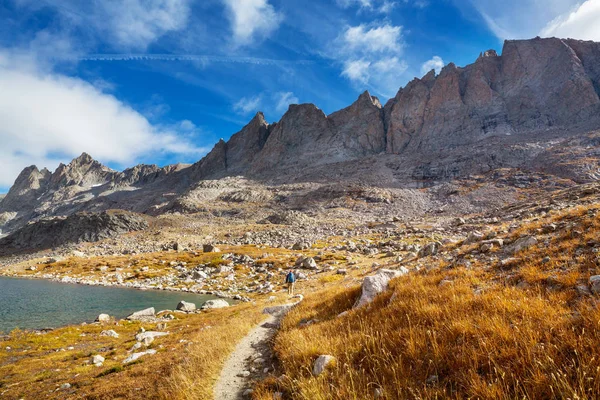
x,y
184,57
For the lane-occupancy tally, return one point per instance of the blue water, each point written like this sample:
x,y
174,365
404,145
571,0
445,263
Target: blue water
x,y
37,304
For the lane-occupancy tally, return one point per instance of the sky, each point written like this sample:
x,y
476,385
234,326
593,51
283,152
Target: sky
x,y
161,81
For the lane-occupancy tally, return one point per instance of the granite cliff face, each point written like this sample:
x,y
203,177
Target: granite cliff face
x,y
510,110
533,86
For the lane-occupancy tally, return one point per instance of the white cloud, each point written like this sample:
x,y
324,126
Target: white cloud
x,y
435,63
371,57
518,19
44,114
283,101
357,70
252,20
378,39
138,23
248,105
379,6
124,24
275,102
583,23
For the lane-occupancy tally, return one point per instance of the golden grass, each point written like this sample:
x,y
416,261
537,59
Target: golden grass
x,y
186,365
480,336
194,377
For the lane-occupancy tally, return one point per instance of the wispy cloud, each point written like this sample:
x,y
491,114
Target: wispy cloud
x,y
519,19
377,6
582,23
252,20
371,56
45,113
283,101
248,105
128,24
436,63
274,102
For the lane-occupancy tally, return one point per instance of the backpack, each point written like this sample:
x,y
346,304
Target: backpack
x,y
290,278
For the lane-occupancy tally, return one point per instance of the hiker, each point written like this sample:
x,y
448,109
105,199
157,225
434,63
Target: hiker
x,y
290,279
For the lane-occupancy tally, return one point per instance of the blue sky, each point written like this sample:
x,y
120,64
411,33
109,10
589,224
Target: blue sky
x,y
160,81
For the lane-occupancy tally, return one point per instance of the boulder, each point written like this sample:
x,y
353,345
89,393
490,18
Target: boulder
x,y
521,244
378,283
473,237
109,333
430,249
308,263
103,318
595,284
211,304
135,356
322,363
143,314
185,306
97,360
301,246
209,248
140,337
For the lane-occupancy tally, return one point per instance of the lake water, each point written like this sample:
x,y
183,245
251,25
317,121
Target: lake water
x,y
36,304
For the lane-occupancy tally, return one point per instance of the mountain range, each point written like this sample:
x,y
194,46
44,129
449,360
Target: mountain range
x,y
534,108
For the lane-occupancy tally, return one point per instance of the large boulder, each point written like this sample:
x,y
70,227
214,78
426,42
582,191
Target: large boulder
x,y
217,303
209,248
185,306
103,318
521,244
378,283
143,314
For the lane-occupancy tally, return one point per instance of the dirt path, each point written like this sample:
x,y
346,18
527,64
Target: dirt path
x,y
250,358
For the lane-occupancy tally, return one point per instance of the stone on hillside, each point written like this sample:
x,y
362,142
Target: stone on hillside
x,y
211,304
322,363
301,246
378,283
595,284
521,244
109,333
473,237
142,314
209,248
97,360
430,249
150,334
308,263
135,356
103,318
185,306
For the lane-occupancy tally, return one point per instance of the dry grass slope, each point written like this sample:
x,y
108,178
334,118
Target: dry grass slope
x,y
522,330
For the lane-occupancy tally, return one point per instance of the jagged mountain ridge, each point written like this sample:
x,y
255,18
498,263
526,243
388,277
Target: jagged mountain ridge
x,y
462,121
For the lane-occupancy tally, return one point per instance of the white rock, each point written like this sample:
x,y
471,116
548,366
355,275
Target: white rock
x,y
135,356
103,318
110,333
185,306
378,283
148,312
140,337
218,303
322,363
97,359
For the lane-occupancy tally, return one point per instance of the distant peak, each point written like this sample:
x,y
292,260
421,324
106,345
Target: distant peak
x,y
84,158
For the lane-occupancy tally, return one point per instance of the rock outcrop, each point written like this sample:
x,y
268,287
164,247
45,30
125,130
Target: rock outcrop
x,y
80,227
